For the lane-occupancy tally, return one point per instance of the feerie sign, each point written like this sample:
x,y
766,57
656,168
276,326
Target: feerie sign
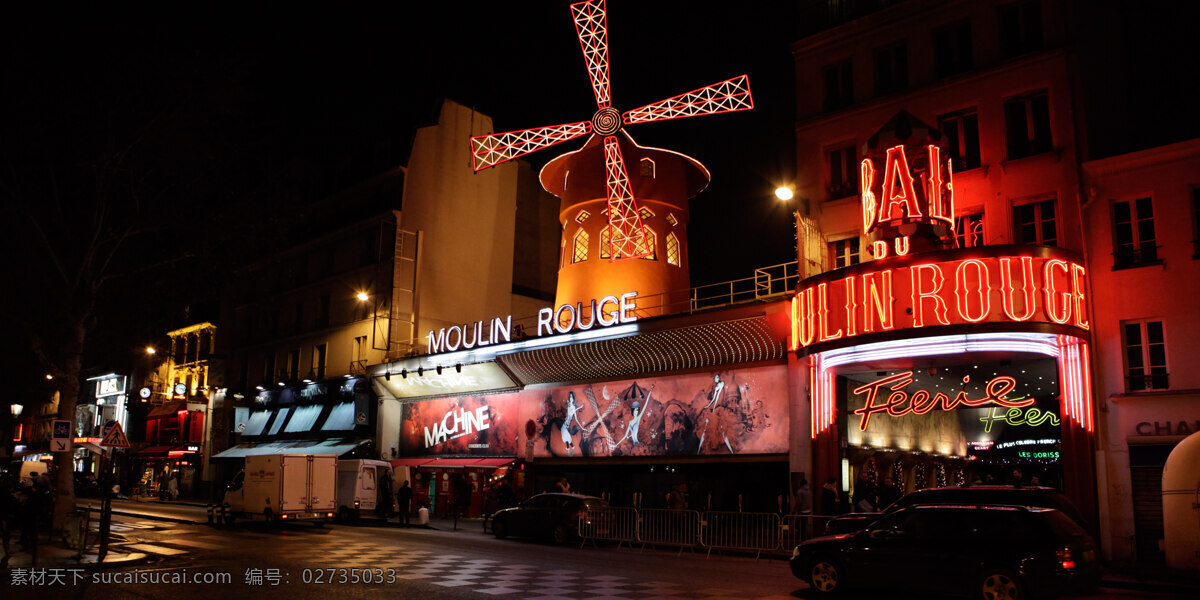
x,y
609,310
872,297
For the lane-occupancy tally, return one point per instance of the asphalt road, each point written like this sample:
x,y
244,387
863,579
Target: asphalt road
x,y
298,561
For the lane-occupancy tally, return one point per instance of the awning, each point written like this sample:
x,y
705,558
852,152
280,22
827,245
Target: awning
x,y
168,409
332,447
490,463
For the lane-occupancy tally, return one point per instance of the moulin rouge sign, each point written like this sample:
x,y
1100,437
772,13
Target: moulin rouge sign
x,y
608,311
908,289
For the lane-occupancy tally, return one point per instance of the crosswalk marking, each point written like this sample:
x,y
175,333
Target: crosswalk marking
x,y
152,549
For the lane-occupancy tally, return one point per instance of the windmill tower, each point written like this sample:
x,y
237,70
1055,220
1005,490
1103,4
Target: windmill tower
x,y
623,229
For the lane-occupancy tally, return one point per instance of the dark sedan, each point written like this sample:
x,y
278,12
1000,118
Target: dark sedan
x,y
1039,497
552,516
991,552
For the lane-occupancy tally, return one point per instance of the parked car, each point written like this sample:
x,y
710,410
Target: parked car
x,y
553,516
1040,497
1009,552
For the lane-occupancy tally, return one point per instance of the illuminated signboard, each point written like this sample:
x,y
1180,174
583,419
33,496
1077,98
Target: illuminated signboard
x,y
1050,454
944,288
1032,417
464,379
919,402
609,310
110,387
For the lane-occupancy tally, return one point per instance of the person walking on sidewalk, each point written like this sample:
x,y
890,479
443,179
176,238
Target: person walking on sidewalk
x,y
403,500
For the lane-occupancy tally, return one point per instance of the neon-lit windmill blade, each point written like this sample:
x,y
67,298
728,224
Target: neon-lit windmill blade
x,y
727,96
592,28
495,148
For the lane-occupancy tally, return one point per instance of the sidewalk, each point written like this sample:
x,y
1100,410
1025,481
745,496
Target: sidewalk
x,y
1152,579
54,559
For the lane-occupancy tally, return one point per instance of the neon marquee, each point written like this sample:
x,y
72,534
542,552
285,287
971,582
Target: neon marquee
x,y
1032,417
873,298
610,310
900,402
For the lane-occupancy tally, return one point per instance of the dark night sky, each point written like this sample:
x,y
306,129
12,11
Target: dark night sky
x,y
230,118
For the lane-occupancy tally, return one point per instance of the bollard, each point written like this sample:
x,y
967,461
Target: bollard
x,y
209,510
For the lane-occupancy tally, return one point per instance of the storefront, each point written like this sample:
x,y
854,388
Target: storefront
x,y
934,366
701,401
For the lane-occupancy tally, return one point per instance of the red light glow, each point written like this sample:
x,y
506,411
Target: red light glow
x,y
900,403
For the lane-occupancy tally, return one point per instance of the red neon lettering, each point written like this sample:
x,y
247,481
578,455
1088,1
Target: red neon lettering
x,y
1077,290
879,249
851,307
794,313
901,245
1027,287
823,314
919,295
896,172
1058,305
878,301
866,180
934,182
920,402
983,290
805,317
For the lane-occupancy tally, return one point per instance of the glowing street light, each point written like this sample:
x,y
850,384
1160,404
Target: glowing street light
x,y
150,350
16,409
49,377
784,193
362,297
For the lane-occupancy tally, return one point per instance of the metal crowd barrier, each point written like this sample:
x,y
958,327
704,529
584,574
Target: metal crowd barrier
x,y
740,531
713,530
613,524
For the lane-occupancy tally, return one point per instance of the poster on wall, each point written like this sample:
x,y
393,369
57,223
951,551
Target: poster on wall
x,y
743,411
463,425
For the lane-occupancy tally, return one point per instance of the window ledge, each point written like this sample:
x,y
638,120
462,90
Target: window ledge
x,y
1145,263
1123,396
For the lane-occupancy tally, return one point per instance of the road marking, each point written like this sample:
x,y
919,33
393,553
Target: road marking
x,y
194,543
161,550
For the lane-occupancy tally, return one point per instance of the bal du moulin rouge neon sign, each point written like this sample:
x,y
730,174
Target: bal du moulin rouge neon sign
x,y
1001,284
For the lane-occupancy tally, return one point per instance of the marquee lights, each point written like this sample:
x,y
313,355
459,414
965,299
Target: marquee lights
x,y
900,402
1032,417
952,292
900,198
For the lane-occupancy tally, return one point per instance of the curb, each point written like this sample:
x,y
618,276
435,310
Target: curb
x,y
125,513
1149,586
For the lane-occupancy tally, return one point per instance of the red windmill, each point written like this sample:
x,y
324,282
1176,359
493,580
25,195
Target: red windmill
x,y
628,238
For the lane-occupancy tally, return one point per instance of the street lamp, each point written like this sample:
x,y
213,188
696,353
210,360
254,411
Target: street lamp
x,y
362,297
150,350
784,193
16,410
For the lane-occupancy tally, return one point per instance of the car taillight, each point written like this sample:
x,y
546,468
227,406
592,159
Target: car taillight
x,y
1065,560
330,515
283,516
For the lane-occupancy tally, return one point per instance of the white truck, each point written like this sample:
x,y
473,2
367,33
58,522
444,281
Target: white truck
x,y
283,487
359,489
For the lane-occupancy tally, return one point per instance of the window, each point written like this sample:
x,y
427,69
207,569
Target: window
x,y
1145,356
581,247
962,138
359,351
843,172
293,364
646,167
1020,28
606,242
839,86
362,309
952,49
672,249
651,244
269,370
891,68
1133,228
582,216
673,221
1034,223
844,252
1196,223
1027,125
323,315
968,230
318,361
562,254
645,213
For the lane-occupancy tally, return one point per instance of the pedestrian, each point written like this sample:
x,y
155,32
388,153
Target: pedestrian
x,y
462,494
387,487
889,492
864,494
564,486
403,500
676,499
829,496
804,507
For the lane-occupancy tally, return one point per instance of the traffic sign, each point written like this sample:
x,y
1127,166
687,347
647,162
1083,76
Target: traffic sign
x,y
115,438
108,425
60,436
